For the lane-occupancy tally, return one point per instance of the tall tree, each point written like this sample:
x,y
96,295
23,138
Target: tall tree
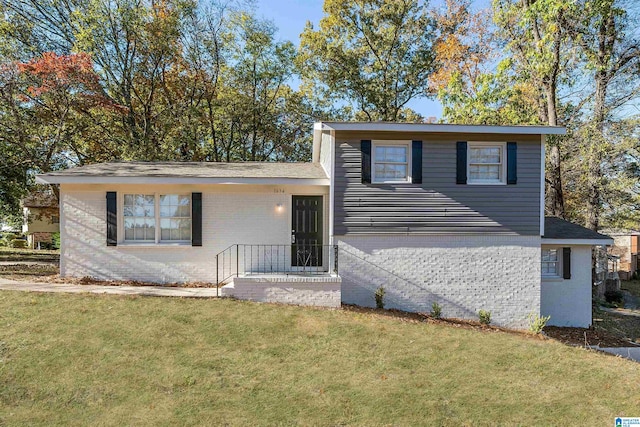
x,y
377,54
467,83
612,59
537,37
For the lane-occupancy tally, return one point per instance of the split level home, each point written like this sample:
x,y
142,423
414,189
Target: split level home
x,y
452,214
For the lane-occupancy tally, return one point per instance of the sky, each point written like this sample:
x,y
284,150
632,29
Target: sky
x,y
291,16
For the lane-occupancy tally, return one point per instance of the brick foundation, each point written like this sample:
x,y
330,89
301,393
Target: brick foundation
x,y
463,274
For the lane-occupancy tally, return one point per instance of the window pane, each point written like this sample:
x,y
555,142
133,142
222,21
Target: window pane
x,y
185,229
391,171
550,263
485,155
129,225
391,154
165,229
175,229
484,172
139,213
184,211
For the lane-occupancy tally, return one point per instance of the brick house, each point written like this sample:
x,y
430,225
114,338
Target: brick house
x,y
452,214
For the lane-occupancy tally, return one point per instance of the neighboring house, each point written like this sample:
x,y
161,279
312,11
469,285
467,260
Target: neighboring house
x,y
41,218
625,246
451,214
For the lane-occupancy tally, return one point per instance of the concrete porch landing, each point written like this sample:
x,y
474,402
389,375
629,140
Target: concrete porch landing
x,y
321,290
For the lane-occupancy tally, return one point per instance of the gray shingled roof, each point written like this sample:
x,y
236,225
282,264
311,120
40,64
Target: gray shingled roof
x,y
196,170
558,228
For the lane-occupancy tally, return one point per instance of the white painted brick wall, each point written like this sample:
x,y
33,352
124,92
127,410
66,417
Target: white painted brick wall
x,y
464,274
231,215
568,301
313,291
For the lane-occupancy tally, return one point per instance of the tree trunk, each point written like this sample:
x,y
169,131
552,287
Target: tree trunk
x,y
594,202
554,194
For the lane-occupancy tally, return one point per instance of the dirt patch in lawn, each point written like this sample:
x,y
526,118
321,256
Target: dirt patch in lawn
x,y
591,336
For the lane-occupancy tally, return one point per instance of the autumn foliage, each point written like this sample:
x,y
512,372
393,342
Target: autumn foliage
x,y
71,74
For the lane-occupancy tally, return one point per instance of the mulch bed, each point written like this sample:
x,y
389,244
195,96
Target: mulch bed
x,y
566,335
405,316
582,337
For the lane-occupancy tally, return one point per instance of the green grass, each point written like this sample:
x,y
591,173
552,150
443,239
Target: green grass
x,y
633,286
12,254
26,272
105,360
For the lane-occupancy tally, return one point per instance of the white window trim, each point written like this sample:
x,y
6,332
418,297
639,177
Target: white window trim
x,y
157,241
503,157
384,143
558,275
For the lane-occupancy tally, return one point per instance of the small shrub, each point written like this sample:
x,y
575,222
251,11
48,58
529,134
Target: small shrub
x,y
18,244
436,310
55,240
9,237
380,297
613,296
537,323
485,317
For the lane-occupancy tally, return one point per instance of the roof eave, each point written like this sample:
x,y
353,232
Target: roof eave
x,y
578,242
68,179
441,128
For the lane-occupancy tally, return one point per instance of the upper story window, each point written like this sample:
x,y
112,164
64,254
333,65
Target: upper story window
x,y
391,161
550,263
486,163
157,218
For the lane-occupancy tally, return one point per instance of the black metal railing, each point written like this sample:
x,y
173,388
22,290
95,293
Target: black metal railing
x,y
296,259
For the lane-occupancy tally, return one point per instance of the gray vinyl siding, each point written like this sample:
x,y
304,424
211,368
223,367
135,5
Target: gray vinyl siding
x,y
438,205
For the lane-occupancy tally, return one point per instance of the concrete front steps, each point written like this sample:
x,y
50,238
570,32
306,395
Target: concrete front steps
x,y
321,291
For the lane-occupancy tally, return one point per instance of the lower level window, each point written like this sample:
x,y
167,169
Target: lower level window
x,y
157,218
550,263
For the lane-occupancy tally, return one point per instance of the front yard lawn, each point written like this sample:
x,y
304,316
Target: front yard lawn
x,y
31,255
105,360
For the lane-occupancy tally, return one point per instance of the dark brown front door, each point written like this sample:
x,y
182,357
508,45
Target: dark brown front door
x,y
306,233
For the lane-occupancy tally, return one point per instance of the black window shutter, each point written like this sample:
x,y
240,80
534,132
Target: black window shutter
x,y
112,219
512,163
365,148
461,162
566,263
416,162
196,219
